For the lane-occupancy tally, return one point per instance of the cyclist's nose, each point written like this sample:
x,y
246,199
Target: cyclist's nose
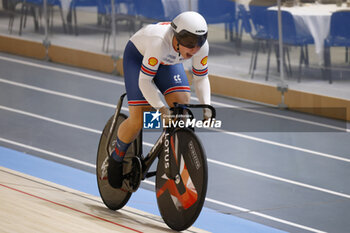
x,y
194,50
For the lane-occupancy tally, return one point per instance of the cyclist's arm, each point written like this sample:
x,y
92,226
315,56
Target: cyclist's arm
x,y
200,74
150,64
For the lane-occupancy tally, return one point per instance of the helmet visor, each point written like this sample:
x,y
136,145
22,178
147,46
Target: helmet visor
x,y
190,40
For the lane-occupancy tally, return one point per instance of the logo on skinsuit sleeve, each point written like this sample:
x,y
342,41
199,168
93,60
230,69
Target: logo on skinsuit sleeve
x,y
204,61
152,61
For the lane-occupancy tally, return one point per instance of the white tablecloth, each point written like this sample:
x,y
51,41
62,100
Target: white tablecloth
x,y
173,7
314,19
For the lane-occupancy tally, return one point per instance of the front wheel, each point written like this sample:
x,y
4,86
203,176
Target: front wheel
x,y
180,199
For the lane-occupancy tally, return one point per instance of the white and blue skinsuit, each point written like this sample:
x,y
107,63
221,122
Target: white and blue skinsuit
x,y
151,62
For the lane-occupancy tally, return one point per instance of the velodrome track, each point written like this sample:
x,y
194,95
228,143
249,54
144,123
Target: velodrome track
x,y
278,169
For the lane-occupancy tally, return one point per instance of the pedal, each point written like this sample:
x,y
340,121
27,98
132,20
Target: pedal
x,y
132,180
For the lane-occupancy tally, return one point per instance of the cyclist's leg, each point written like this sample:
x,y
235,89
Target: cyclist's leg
x,y
128,129
127,132
172,82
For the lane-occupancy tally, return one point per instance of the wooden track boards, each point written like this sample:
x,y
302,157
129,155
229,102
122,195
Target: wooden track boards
x,y
29,204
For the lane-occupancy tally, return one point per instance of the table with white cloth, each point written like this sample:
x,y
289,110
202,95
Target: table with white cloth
x,y
314,19
173,7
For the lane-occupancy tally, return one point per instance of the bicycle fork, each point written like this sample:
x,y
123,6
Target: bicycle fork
x,y
165,147
172,169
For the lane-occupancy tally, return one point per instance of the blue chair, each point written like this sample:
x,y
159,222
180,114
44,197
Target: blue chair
x,y
290,37
125,10
220,11
259,14
32,5
122,7
339,36
244,21
150,11
73,12
261,35
11,8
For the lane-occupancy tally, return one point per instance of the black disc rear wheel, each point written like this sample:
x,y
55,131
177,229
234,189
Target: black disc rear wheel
x,y
113,198
180,199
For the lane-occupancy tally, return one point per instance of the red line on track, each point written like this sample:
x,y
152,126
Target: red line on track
x,y
68,207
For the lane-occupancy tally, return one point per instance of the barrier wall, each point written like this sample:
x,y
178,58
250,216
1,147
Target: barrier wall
x,y
225,86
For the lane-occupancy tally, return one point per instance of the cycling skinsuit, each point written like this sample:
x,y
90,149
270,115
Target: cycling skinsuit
x,y
150,54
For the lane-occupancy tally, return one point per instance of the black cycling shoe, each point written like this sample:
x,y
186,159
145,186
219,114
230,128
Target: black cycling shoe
x,y
115,173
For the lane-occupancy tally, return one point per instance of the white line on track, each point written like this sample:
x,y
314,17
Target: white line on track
x,y
57,93
244,210
279,178
94,77
209,160
56,155
152,183
66,71
49,119
329,156
341,129
217,130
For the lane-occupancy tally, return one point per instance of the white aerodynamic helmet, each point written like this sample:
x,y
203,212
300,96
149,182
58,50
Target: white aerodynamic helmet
x,y
190,29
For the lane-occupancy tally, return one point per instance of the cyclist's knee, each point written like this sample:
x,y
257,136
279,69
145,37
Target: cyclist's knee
x,y
179,97
136,116
129,129
135,122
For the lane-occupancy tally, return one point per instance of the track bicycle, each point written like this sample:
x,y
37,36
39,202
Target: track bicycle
x,y
181,174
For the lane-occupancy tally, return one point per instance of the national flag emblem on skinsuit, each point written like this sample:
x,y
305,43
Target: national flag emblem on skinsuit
x,y
152,61
204,61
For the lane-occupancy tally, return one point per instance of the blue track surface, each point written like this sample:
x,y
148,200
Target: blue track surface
x,y
144,200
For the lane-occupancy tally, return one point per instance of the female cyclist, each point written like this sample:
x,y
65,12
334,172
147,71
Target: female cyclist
x,y
153,61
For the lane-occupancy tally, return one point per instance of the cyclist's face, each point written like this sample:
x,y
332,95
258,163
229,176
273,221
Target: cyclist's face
x,y
187,53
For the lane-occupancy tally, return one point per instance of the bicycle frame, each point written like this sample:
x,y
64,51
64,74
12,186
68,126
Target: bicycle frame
x,y
162,142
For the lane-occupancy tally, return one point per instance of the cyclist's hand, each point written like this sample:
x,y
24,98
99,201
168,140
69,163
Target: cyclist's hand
x,y
206,114
166,115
